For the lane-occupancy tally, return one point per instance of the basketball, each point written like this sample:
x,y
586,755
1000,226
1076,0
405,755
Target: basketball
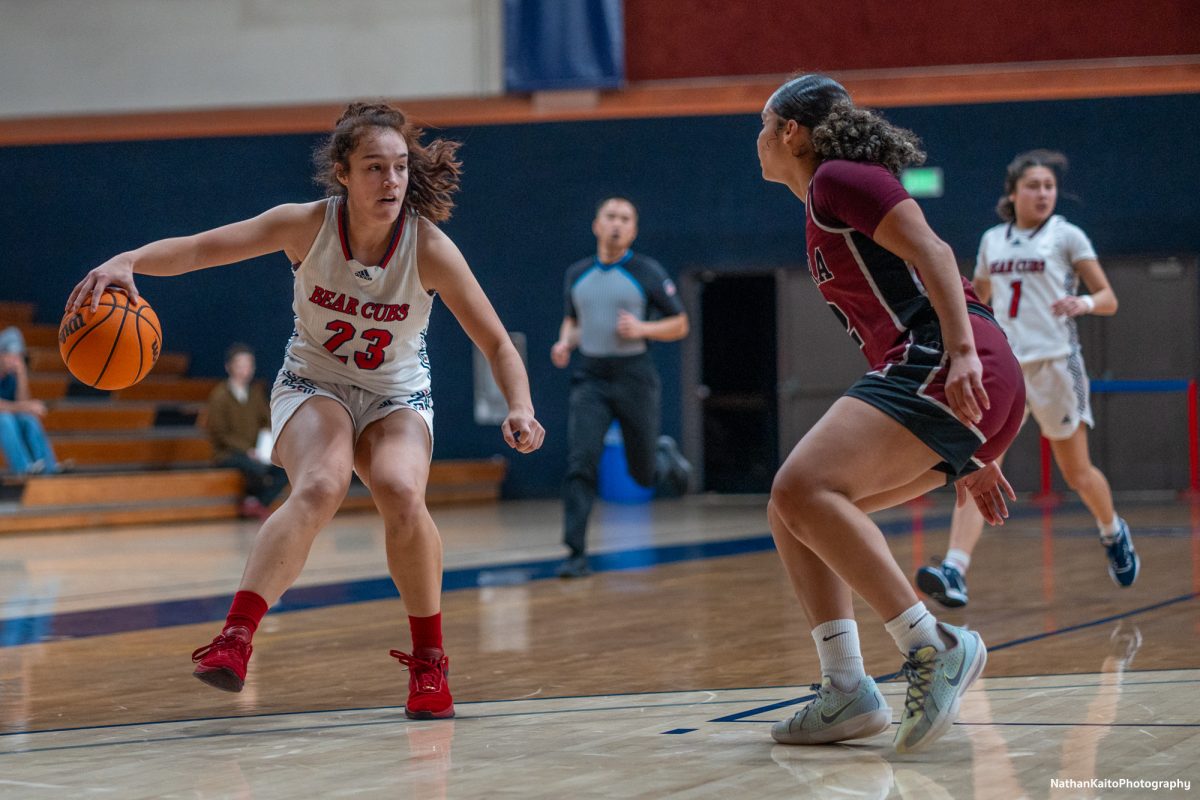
x,y
113,347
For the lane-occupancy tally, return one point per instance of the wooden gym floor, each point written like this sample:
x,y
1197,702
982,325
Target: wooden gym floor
x,y
656,677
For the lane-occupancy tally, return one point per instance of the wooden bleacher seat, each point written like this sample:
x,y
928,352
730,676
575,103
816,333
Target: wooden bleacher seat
x,y
37,335
48,387
16,313
49,360
142,454
98,416
150,447
168,388
89,500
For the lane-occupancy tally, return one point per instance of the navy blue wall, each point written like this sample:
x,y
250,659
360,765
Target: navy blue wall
x,y
525,210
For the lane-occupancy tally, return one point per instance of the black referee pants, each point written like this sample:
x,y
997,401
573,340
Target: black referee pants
x,y
625,388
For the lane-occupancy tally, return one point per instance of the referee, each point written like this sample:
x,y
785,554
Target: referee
x,y
608,300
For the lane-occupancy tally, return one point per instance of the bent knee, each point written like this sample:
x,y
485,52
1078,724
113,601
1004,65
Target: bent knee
x,y
321,493
795,491
399,498
1079,477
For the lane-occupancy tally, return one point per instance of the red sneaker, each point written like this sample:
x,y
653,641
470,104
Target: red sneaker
x,y
223,662
428,688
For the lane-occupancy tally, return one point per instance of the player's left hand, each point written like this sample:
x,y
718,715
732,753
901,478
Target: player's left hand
x,y
522,431
964,388
987,487
629,326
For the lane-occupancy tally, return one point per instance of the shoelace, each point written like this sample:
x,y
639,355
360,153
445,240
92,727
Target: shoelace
x,y
1118,551
919,675
221,642
428,674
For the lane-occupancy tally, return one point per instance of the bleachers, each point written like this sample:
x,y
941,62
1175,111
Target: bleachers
x,y
140,455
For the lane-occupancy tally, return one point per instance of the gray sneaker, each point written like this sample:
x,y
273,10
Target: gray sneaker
x,y
574,567
937,680
673,472
834,716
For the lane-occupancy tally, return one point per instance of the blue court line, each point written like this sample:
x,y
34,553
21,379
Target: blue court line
x,y
33,629
123,619
740,717
311,728
401,720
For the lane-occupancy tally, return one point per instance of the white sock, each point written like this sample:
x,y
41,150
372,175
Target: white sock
x,y
959,559
841,657
914,629
1109,530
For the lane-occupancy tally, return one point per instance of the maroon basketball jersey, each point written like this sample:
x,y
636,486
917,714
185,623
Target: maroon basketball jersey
x,y
873,292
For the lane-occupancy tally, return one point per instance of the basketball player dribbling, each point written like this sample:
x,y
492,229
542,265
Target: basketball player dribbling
x,y
943,399
354,391
1029,268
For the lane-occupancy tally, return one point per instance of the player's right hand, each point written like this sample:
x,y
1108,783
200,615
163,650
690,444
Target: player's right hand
x,y
560,354
117,272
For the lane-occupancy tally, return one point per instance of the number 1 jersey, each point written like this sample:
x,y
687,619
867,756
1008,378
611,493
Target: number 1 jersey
x,y
358,325
1029,270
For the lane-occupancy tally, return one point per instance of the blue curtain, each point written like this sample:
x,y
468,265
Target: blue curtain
x,y
563,44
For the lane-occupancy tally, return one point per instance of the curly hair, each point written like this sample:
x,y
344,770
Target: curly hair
x,y
1052,160
433,170
856,134
842,130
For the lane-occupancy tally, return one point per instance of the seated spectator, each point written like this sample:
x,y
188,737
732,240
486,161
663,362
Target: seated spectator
x,y
238,414
22,436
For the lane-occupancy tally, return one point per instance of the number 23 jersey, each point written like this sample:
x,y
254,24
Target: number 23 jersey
x,y
359,325
1029,270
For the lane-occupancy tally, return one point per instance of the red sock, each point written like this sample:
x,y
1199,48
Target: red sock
x,y
247,611
426,631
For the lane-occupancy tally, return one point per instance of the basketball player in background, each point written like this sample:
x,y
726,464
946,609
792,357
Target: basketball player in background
x,y
943,398
354,391
1029,268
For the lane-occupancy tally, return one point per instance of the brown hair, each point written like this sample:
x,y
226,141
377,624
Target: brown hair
x,y
433,171
1052,160
236,349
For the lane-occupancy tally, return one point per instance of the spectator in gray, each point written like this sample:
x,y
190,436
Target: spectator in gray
x,y
611,301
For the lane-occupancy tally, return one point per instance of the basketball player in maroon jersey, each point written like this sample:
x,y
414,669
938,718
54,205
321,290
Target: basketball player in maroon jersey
x,y
354,393
943,398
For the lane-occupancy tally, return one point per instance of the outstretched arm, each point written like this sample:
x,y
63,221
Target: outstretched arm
x,y
281,228
444,269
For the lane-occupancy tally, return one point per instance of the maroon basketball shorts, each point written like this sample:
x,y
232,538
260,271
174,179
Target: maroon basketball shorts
x,y
911,388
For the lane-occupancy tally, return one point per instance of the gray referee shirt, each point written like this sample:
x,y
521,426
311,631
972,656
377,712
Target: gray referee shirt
x,y
595,293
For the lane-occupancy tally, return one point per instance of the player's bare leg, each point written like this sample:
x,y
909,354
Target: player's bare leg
x,y
392,457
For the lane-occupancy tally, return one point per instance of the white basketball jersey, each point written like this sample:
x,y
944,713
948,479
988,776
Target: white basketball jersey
x,y
358,325
1029,270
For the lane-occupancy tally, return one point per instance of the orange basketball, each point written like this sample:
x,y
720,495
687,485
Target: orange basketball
x,y
114,347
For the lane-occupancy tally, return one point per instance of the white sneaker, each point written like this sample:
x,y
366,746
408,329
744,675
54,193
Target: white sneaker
x,y
834,716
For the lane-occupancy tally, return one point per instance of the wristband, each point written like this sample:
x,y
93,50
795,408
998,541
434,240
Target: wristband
x,y
1089,302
